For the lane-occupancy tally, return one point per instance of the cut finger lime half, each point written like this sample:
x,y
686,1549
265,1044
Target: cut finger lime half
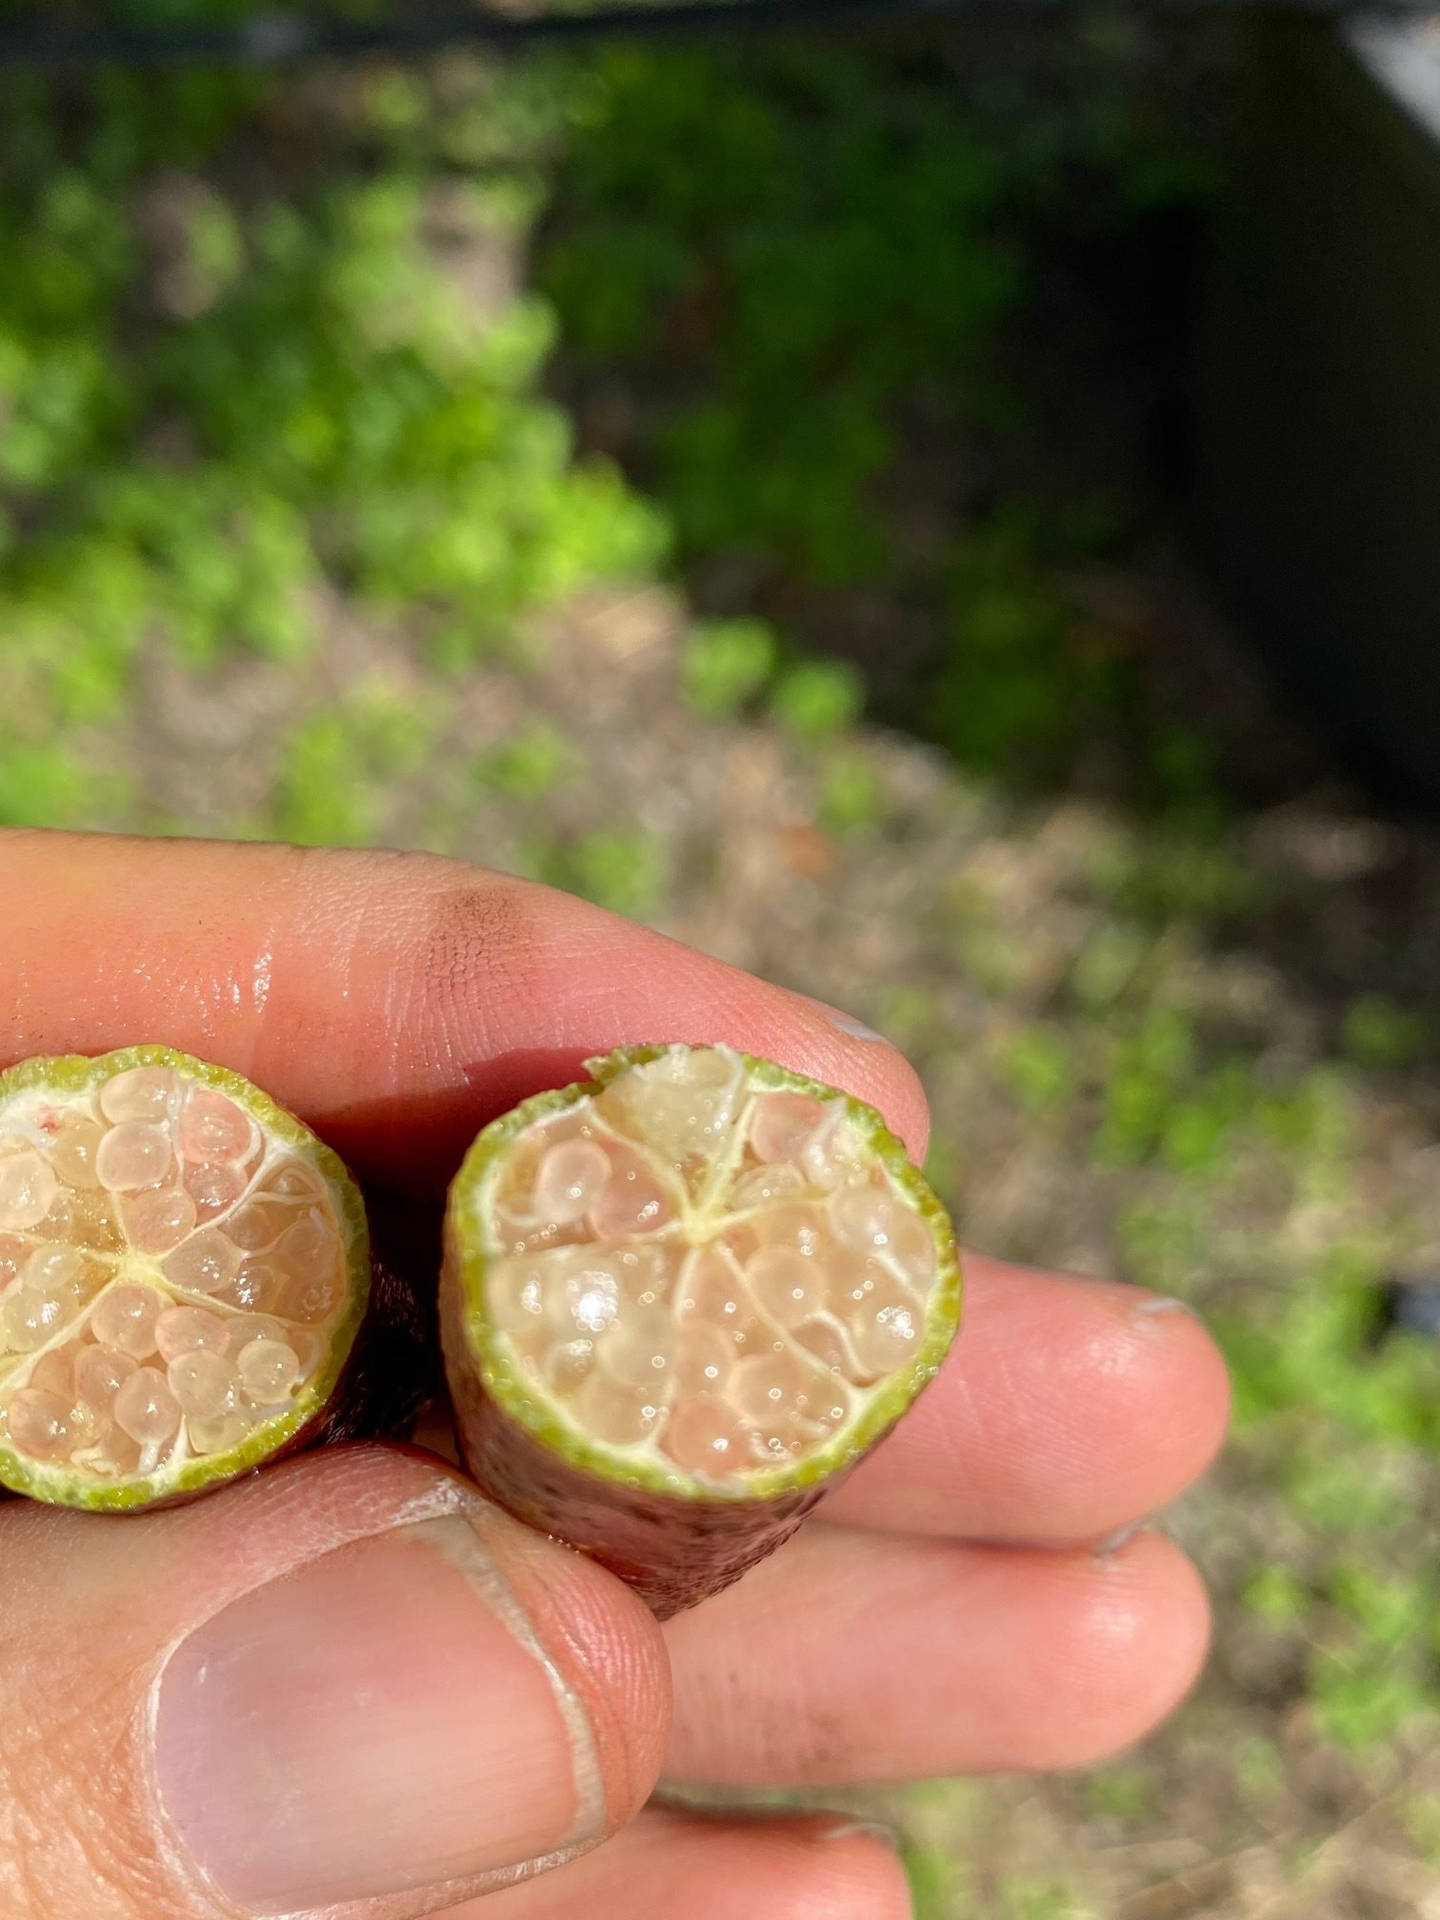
x,y
183,1268
680,1299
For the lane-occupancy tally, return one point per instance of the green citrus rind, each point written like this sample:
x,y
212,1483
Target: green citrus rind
x,y
506,1386
60,1486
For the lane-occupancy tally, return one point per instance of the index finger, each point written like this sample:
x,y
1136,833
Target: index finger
x,y
395,1001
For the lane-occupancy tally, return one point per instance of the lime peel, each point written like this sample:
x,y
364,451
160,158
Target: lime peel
x,y
680,1300
184,1268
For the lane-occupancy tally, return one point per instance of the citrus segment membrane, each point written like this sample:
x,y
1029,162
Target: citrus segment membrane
x,y
709,1270
176,1275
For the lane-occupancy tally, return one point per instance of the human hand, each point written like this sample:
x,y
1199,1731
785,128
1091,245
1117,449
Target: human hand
x,y
348,1684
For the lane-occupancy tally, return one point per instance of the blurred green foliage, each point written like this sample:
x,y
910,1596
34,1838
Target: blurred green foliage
x,y
533,762
1376,1033
771,248
828,260
725,664
238,402
625,871
852,797
338,765
226,398
933,1878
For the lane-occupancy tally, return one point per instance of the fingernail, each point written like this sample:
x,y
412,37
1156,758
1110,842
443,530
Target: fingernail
x,y
847,1023
382,1719
1117,1541
1159,1303
852,1827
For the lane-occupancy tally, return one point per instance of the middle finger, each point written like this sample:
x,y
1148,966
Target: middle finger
x,y
1066,1408
854,1657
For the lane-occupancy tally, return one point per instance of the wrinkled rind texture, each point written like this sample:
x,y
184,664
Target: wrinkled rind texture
x,y
674,1548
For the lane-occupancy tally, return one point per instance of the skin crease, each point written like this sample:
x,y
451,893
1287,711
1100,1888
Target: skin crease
x,y
397,1003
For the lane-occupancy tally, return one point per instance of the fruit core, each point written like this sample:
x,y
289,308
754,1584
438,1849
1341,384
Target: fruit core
x,y
168,1275
705,1269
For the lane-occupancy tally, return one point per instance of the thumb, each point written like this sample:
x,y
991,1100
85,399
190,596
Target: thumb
x,y
348,1683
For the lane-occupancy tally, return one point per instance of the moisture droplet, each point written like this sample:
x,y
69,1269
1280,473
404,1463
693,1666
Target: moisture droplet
x,y
268,1371
706,1435
143,1093
157,1222
885,1333
204,1263
189,1330
125,1318
569,1180
219,1434
73,1154
39,1424
27,1188
100,1372
29,1320
613,1413
583,1300
212,1127
786,1285
202,1383
146,1409
132,1156
214,1189
781,1123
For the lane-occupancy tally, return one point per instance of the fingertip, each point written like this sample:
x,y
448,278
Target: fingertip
x,y
871,1067
720,1866
846,1868
1067,1408
1125,1646
1190,1375
861,1872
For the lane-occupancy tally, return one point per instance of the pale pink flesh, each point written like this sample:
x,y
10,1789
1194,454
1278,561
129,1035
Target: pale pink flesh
x,y
167,1275
706,1272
